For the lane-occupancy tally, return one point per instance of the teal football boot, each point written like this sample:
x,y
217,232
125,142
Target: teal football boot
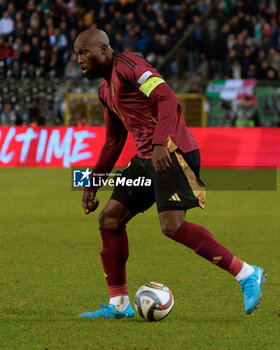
x,y
110,311
252,289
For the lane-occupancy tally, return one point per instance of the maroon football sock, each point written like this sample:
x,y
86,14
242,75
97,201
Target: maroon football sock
x,y
202,242
114,256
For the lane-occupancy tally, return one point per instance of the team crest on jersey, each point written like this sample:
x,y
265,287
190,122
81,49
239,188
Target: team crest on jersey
x,y
144,77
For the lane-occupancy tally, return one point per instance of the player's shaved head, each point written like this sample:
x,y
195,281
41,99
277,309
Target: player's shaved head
x,y
92,37
94,52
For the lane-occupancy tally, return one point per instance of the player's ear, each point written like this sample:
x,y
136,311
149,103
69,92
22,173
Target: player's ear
x,y
103,49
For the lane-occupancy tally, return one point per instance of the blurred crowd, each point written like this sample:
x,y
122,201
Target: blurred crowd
x,y
36,36
248,44
240,39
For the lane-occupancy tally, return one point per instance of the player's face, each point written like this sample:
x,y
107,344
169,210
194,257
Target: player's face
x,y
90,58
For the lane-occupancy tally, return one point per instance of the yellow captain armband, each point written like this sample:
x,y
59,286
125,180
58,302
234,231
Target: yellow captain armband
x,y
148,86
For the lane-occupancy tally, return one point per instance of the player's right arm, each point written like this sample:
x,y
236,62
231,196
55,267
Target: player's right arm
x,y
116,135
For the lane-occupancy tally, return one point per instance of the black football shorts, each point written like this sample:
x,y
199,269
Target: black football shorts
x,y
178,188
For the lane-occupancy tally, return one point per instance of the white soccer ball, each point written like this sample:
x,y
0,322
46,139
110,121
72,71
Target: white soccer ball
x,y
153,301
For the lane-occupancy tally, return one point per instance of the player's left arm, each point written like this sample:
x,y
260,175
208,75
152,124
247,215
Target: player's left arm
x,y
160,93
146,79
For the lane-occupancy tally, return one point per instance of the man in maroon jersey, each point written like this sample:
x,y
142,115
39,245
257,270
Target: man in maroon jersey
x,y
136,99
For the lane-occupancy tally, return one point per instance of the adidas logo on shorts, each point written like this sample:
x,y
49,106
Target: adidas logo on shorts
x,y
175,197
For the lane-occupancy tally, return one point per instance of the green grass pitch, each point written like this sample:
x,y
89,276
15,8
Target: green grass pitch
x,y
51,271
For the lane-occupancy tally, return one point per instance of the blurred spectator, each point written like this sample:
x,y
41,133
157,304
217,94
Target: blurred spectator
x,y
202,6
17,48
228,119
130,36
6,24
11,9
9,116
274,59
19,30
81,122
6,52
271,74
45,5
118,42
252,71
72,70
26,58
262,72
246,114
58,121
44,63
58,39
236,69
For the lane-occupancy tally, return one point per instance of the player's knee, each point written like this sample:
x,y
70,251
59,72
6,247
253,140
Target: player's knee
x,y
168,229
170,222
102,218
108,220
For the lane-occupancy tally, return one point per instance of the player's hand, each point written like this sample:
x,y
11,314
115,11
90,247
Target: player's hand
x,y
161,158
89,202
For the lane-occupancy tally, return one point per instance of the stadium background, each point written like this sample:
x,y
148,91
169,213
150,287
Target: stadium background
x,y
222,58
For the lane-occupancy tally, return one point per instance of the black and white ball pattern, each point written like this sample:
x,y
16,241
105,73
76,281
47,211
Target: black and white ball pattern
x,y
153,301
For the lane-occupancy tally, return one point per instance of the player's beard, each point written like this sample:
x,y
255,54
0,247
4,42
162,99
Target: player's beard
x,y
93,73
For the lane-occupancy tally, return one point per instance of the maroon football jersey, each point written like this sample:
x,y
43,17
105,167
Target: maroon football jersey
x,y
152,118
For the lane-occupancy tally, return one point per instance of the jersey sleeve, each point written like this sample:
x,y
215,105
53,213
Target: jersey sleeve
x,y
116,135
147,79
167,106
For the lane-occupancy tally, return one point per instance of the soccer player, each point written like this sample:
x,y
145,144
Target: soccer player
x,y
136,99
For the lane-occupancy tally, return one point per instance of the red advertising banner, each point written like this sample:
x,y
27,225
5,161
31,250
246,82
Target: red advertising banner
x,y
55,146
239,147
72,146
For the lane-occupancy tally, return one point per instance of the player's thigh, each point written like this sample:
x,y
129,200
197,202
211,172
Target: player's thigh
x,y
139,197
179,187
